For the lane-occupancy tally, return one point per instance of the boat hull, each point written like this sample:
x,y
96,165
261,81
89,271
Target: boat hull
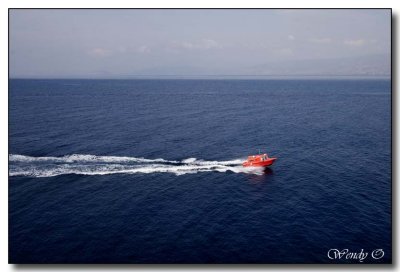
x,y
264,163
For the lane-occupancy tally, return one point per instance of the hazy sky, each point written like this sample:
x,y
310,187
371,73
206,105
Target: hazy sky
x,y
109,43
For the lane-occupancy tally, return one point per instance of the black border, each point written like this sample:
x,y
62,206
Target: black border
x,y
238,266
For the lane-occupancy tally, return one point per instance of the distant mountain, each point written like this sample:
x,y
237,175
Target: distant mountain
x,y
173,70
373,65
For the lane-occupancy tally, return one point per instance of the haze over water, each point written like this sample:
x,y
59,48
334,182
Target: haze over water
x,y
150,42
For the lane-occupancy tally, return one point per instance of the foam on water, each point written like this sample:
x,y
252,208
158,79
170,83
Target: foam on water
x,y
81,158
21,165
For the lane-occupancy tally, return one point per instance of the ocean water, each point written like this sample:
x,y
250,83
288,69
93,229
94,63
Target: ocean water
x,y
149,171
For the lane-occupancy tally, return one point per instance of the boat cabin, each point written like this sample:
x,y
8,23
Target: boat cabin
x,y
257,158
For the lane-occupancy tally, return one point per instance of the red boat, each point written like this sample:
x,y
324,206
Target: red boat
x,y
260,160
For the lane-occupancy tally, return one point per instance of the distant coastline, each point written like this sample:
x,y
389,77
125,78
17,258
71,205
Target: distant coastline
x,y
211,77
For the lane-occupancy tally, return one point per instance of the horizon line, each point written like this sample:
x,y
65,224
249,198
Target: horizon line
x,y
177,76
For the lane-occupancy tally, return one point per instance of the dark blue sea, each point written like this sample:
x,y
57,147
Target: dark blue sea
x,y
149,171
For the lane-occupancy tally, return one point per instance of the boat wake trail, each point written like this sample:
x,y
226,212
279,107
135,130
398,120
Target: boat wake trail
x,y
20,165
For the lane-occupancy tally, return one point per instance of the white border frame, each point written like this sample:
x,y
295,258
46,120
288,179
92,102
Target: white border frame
x,y
6,4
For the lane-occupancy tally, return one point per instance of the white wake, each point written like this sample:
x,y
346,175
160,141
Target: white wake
x,y
78,164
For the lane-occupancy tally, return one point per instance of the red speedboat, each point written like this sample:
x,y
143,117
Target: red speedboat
x,y
260,160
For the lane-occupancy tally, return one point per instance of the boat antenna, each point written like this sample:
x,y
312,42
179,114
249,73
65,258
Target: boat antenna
x,y
259,152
